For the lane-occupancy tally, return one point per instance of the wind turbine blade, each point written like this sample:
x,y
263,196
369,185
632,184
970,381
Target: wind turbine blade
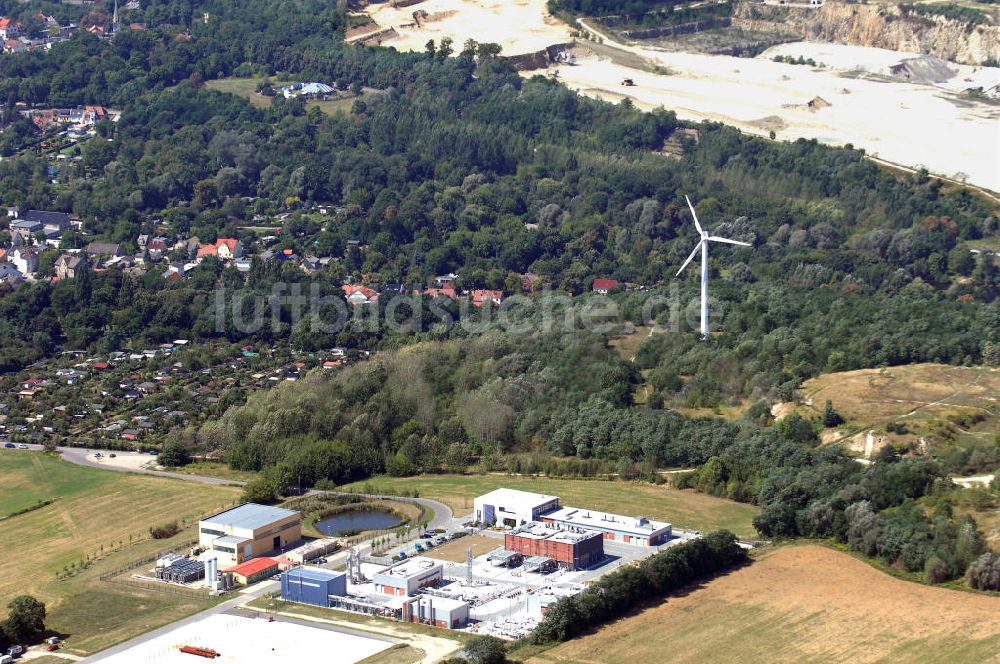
x,y
728,241
693,252
696,224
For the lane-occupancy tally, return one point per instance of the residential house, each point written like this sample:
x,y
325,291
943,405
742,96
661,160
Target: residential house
x,y
9,28
481,297
103,250
446,279
68,266
11,46
448,290
25,259
359,294
23,231
50,221
10,275
602,286
225,249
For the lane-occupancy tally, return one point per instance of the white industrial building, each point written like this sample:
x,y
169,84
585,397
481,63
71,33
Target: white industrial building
x,y
438,611
628,529
407,577
510,507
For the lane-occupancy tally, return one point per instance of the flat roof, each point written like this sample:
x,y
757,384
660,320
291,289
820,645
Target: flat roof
x,y
235,540
633,525
443,603
551,532
249,515
515,498
408,568
314,573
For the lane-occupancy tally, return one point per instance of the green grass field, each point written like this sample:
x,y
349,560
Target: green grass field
x,y
30,477
247,88
215,469
685,509
104,516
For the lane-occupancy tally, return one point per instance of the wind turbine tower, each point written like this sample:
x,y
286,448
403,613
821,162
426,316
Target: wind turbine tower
x,y
703,245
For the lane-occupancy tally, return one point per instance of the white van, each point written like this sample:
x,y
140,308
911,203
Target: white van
x,y
6,659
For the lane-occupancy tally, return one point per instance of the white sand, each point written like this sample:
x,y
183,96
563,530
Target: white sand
x,y
908,124
913,125
249,640
878,61
519,26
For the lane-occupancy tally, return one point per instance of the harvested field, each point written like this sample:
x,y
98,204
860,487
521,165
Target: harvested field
x,y
455,549
800,604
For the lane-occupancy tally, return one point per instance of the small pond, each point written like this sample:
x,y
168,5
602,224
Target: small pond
x,y
356,520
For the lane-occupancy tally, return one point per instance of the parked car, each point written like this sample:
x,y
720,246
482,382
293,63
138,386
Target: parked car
x,y
53,639
9,446
402,555
14,651
22,446
97,455
112,455
52,647
418,546
6,659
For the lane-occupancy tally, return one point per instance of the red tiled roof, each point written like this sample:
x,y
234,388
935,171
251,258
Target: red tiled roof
x,y
253,566
605,284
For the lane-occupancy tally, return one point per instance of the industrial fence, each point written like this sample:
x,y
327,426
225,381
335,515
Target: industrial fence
x,y
122,576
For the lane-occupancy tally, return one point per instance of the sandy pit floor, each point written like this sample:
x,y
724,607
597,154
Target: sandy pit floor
x,y
912,125
878,61
519,26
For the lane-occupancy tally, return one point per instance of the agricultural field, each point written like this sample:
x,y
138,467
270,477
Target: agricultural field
x,y
685,509
800,604
932,400
99,517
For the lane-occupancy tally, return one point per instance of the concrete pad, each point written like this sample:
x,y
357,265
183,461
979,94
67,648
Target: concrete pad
x,y
243,640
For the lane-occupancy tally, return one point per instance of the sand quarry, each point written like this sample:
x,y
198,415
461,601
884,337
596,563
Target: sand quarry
x,y
519,26
913,124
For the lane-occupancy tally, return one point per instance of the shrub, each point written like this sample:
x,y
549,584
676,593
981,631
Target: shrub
x,y
165,530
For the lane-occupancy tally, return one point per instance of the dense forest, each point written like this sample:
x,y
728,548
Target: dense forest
x,y
459,164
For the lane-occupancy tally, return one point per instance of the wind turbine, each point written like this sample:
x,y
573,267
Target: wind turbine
x,y
703,245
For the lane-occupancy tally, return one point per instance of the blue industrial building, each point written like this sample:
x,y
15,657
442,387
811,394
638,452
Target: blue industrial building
x,y
312,585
